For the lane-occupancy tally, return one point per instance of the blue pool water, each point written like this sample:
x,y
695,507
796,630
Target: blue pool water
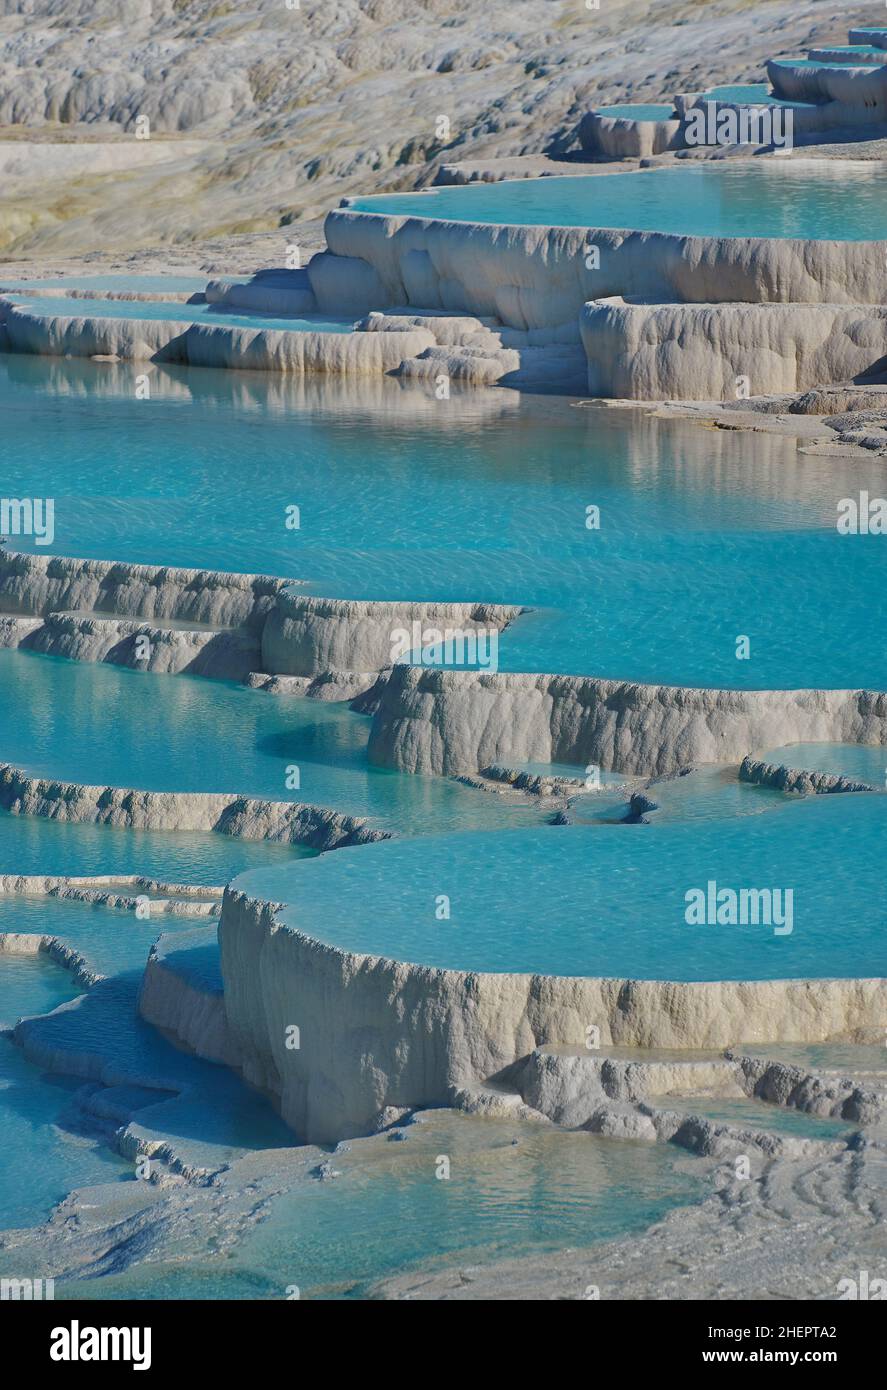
x,y
30,984
756,1115
32,1105
546,1191
817,63
649,112
216,1119
704,535
111,939
183,733
863,51
583,901
206,1111
752,94
859,761
33,845
758,200
154,309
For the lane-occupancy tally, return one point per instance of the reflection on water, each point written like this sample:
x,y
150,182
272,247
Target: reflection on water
x,y
703,534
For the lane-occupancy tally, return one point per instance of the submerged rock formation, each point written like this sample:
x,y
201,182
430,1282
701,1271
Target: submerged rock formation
x,y
793,779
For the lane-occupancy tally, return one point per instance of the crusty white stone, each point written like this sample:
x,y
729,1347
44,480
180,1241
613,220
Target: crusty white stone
x,y
697,351
304,635
377,1032
462,721
226,814
35,585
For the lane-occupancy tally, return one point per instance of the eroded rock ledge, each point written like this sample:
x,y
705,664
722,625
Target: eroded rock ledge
x,y
410,1035
247,817
109,890
796,779
436,721
254,628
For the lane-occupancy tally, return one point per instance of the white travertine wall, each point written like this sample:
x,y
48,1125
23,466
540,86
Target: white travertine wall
x,y
225,813
35,585
863,88
304,635
210,345
536,277
696,351
377,1032
247,626
621,137
435,721
224,655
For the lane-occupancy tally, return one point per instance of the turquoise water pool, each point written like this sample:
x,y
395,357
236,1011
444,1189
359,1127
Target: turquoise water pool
x,y
34,845
41,1160
649,112
759,200
214,1120
30,984
703,535
752,94
152,310
583,901
819,63
756,1115
111,939
859,761
515,1189
183,733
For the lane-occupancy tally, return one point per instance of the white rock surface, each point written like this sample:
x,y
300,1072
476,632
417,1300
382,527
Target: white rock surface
x,y
305,635
377,1032
698,351
462,721
226,814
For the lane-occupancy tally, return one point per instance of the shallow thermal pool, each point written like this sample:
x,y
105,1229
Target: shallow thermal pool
x,y
110,939
185,733
641,112
847,203
35,845
610,902
703,535
514,1189
153,310
40,1159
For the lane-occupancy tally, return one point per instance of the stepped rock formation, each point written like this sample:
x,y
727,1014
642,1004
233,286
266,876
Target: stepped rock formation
x,y
268,114
462,721
412,1035
247,817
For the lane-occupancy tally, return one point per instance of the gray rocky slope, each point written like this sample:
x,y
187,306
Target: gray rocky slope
x,y
271,113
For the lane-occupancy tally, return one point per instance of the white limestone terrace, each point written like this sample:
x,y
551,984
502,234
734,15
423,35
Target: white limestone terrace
x,y
254,628
488,303
436,721
123,892
223,813
834,88
438,1037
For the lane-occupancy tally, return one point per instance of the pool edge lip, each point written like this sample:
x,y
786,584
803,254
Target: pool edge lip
x,y
347,204
367,959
